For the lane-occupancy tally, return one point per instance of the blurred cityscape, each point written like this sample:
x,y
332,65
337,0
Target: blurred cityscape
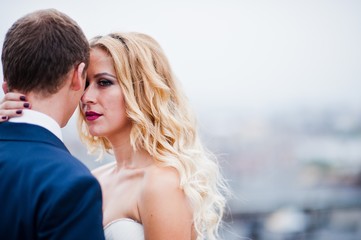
x,y
295,174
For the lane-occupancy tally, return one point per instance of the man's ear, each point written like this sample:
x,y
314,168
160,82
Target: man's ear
x,y
5,87
78,81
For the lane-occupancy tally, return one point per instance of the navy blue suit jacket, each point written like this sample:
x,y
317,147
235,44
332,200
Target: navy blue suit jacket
x,y
45,193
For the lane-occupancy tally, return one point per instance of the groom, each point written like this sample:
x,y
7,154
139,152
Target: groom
x,y
45,193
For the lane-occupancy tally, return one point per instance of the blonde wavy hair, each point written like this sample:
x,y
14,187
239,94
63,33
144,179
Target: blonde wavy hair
x,y
163,125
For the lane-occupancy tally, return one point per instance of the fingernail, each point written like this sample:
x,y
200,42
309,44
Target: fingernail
x,y
4,117
26,105
22,98
19,111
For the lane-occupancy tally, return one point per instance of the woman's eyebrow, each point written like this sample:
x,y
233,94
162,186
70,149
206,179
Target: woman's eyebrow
x,y
104,73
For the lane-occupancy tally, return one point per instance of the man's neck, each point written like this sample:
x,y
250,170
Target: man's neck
x,y
53,106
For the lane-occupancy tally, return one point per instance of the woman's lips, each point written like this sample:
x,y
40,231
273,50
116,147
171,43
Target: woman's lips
x,y
91,116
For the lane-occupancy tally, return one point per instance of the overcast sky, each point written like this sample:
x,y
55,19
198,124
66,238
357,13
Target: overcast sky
x,y
234,53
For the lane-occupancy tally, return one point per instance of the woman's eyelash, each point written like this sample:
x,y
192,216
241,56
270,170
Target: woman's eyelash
x,y
105,82
101,82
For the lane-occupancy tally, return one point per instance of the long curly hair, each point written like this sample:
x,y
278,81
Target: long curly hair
x,y
163,125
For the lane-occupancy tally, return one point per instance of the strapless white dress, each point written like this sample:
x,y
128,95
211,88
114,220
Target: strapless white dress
x,y
124,229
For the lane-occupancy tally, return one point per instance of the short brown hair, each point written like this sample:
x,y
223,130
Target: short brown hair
x,y
40,49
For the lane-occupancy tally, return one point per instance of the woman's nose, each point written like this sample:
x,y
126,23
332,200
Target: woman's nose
x,y
88,95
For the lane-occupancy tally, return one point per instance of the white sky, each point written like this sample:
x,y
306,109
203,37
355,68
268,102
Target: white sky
x,y
236,53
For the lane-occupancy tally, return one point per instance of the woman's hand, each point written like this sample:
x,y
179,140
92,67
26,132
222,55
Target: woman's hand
x,y
12,105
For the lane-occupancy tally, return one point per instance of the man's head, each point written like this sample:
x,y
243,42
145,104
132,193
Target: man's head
x,y
39,51
45,55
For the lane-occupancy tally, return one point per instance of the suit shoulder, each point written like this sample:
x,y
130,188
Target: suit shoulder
x,y
59,159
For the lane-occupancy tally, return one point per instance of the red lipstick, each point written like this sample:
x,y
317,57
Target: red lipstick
x,y
91,116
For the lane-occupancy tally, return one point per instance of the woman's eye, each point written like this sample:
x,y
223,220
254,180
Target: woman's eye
x,y
104,82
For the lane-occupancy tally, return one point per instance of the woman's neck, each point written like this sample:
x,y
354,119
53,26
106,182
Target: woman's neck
x,y
128,158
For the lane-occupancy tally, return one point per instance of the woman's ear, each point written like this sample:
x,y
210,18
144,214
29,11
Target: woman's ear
x,y
5,87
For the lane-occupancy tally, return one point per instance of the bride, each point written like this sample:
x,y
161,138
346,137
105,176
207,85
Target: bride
x,y
163,184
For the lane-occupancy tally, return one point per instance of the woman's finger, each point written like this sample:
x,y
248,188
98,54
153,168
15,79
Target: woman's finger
x,y
6,114
3,118
14,105
11,96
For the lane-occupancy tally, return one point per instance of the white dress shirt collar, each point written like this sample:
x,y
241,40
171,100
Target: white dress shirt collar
x,y
40,119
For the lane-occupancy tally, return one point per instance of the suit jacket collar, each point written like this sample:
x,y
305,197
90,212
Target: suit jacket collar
x,y
38,118
28,132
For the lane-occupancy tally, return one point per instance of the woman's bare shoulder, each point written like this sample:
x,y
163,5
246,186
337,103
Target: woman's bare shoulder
x,y
157,178
161,183
163,206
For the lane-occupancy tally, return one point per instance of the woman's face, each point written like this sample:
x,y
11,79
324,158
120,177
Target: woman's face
x,y
103,102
